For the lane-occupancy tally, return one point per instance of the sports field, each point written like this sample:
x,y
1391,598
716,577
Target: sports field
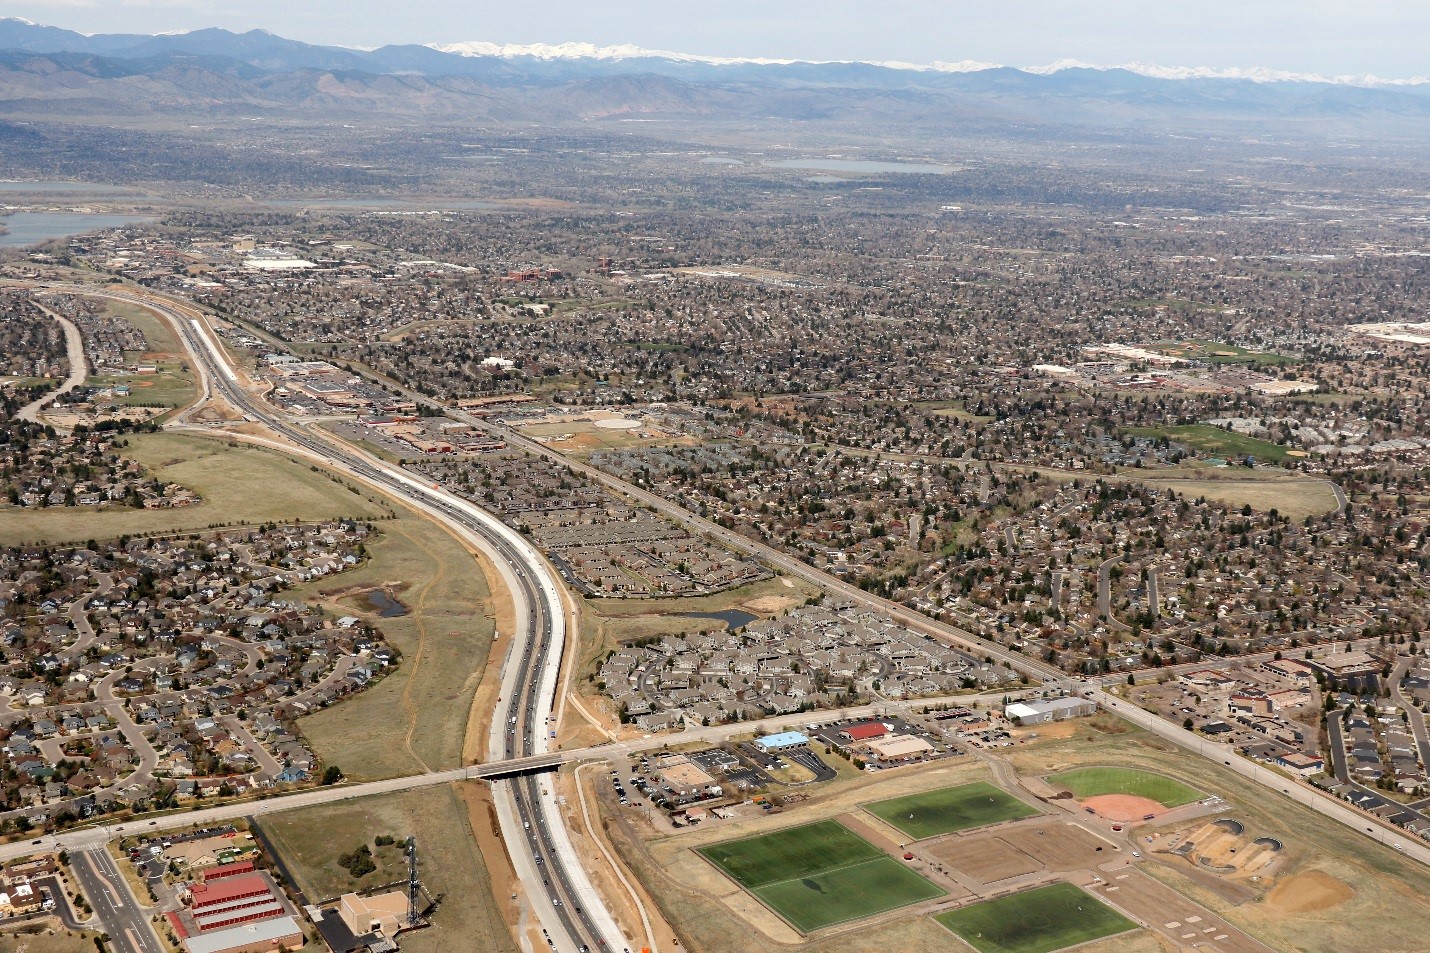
x,y
819,874
949,809
1035,921
1092,782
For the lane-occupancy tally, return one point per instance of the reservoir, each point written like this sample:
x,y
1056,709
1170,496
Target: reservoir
x,y
733,618
864,166
387,606
27,228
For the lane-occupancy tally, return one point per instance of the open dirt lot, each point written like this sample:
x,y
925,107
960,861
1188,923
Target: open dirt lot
x,y
1173,916
1042,845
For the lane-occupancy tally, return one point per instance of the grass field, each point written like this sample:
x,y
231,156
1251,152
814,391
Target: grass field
x,y
1090,782
416,718
223,475
1035,921
1263,488
173,384
949,809
1205,438
311,839
1215,352
819,874
45,937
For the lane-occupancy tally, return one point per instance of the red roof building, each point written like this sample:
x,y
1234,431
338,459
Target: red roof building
x,y
864,732
228,870
229,889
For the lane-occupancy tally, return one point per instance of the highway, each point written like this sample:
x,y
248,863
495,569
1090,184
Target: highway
x,y
567,904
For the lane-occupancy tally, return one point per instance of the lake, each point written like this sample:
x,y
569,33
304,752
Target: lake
x,y
27,228
734,618
863,166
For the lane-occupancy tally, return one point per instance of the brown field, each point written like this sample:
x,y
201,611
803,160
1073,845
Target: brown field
x,y
223,474
1173,915
45,936
414,719
1042,844
310,840
1268,489
987,859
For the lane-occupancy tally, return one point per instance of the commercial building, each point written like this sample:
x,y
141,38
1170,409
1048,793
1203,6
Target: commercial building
x,y
898,748
867,731
384,914
264,936
781,742
1052,709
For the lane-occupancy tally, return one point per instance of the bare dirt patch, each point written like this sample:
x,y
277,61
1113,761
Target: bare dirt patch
x,y
1027,848
771,605
1123,807
1303,893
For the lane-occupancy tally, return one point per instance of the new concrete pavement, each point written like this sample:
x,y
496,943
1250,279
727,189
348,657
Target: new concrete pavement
x,y
116,908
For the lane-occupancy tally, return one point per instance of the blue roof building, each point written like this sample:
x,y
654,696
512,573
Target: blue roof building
x,y
781,741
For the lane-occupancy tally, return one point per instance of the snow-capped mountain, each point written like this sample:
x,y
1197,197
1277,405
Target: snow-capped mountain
x,y
628,52
217,72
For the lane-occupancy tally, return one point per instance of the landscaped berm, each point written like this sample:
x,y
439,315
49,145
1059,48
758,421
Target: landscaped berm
x,y
1123,794
1035,921
819,874
947,810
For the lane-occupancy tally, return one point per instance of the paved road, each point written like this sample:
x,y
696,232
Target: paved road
x,y
568,906
1415,715
1335,740
79,368
115,906
207,353
1104,593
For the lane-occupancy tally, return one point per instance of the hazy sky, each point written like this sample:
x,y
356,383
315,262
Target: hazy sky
x,y
1384,37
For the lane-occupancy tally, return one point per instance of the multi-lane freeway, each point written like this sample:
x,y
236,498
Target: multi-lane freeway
x,y
566,903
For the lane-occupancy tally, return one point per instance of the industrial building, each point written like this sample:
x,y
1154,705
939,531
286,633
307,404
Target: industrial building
x,y
1052,709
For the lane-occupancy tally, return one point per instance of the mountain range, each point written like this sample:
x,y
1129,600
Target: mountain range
x,y
51,72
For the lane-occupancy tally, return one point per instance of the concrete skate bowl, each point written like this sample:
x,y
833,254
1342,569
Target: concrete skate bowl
x,y
1223,847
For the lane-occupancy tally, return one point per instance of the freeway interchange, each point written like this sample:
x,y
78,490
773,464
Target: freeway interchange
x,y
572,915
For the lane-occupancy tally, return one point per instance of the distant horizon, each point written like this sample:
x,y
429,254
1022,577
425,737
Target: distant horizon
x,y
1376,38
576,49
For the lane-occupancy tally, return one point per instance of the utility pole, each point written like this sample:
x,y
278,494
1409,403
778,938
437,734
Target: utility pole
x,y
412,885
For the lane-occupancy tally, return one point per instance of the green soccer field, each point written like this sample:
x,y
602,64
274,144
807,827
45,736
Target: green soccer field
x,y
949,809
1036,921
819,874
1090,782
